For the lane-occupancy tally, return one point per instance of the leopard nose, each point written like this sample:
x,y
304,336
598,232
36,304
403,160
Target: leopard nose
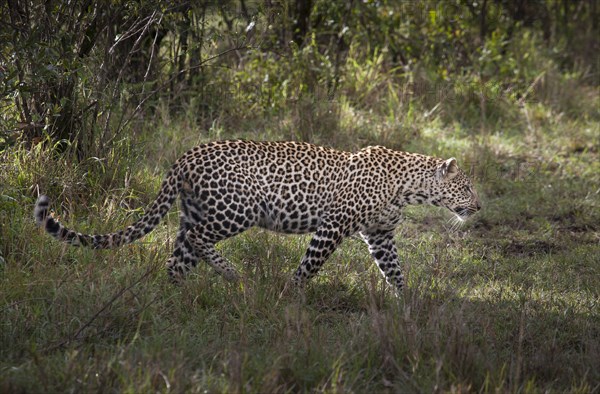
x,y
477,205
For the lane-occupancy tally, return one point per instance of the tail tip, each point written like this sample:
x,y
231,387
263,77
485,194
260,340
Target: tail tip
x,y
41,209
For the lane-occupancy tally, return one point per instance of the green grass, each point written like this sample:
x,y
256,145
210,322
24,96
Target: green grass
x,y
508,302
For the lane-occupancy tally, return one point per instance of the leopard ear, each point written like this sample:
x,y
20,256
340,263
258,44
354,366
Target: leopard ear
x,y
448,169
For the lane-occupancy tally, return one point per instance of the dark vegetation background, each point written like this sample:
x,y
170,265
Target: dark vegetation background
x,y
97,99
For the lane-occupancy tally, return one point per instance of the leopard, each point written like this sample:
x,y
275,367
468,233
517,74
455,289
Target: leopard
x,y
227,187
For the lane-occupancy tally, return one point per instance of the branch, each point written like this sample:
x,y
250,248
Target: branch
x,y
108,304
168,81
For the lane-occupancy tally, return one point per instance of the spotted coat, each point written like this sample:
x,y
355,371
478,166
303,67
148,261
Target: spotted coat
x,y
227,187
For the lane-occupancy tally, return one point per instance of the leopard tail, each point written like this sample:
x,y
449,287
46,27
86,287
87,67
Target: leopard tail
x,y
158,209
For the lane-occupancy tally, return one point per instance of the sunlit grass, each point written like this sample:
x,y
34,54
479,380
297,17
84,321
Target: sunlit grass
x,y
508,301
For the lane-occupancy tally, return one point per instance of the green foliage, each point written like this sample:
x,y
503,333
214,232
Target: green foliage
x,y
85,74
98,100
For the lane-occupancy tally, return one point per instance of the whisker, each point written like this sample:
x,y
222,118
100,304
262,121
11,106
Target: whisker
x,y
455,222
459,223
450,223
453,226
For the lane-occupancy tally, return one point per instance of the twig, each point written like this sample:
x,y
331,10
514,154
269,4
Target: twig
x,y
531,87
202,63
134,48
15,303
151,55
115,297
167,82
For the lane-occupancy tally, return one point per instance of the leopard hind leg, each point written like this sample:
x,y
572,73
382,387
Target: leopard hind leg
x,y
184,256
203,226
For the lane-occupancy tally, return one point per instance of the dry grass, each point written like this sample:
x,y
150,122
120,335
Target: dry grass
x,y
509,302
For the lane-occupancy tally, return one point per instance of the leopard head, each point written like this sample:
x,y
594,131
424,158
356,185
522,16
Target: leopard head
x,y
454,190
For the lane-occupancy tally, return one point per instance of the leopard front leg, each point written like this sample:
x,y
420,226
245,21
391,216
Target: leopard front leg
x,y
383,249
321,246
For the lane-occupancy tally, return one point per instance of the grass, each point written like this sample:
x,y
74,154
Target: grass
x,y
507,303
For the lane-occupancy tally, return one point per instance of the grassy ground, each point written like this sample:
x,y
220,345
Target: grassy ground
x,y
508,302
